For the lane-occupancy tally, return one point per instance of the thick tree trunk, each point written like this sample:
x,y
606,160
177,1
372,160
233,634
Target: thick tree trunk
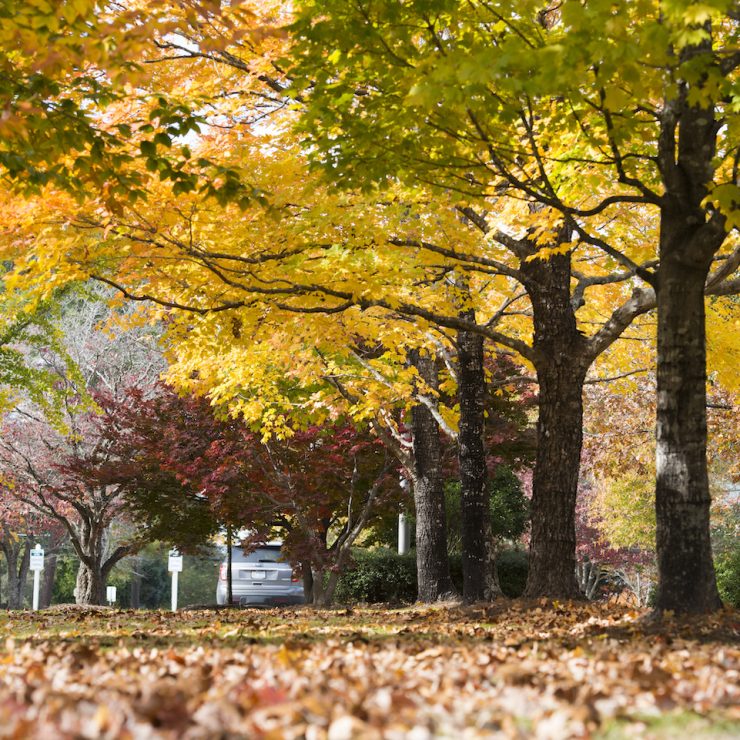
x,y
478,552
552,560
690,235
687,581
47,587
432,563
90,587
561,372
317,592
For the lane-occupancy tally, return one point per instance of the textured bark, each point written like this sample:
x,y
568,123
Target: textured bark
x,y
432,563
317,592
307,582
89,542
690,236
47,585
478,551
686,571
17,557
90,586
561,371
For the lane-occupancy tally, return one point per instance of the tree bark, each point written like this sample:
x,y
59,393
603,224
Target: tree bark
x,y
89,543
686,572
90,587
317,590
47,587
18,557
307,582
478,551
691,233
432,562
561,370
135,600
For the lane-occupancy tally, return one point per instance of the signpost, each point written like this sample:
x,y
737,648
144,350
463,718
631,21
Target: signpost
x,y
110,594
174,566
36,565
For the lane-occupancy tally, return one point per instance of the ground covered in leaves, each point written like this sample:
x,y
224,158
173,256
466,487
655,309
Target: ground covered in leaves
x,y
509,670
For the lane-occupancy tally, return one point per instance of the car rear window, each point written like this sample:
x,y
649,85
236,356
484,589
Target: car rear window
x,y
269,554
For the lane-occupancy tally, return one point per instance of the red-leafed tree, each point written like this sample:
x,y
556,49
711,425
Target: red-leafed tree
x,y
72,478
65,466
320,489
21,526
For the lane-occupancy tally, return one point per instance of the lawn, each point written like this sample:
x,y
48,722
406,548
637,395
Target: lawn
x,y
513,669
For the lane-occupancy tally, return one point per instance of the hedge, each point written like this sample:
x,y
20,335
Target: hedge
x,y
382,576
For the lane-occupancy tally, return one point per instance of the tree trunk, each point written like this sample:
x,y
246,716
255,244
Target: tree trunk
x,y
478,552
317,591
17,556
90,588
687,582
432,563
561,371
691,233
135,601
307,582
47,587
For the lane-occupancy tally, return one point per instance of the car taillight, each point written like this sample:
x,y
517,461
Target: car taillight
x,y
222,571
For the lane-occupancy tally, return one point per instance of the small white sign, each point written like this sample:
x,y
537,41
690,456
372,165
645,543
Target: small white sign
x,y
37,558
174,564
110,594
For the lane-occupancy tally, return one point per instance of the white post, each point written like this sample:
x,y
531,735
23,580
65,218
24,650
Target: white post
x,y
174,590
403,535
36,565
174,566
36,584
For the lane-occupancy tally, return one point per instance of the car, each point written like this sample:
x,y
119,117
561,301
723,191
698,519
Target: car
x,y
260,578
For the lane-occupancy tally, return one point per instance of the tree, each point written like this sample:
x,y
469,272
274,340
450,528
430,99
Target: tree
x,y
640,117
321,488
20,528
262,275
66,470
68,70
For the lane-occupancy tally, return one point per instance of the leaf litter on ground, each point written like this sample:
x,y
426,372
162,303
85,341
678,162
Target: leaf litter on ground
x,y
511,669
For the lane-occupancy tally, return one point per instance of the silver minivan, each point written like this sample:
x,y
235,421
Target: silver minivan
x,y
260,577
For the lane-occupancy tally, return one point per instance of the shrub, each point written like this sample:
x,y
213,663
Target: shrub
x,y
378,576
385,576
727,568
512,567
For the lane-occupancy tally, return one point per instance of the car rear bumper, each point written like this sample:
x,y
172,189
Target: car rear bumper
x,y
268,600
251,597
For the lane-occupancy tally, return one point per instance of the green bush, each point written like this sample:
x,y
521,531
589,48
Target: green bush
x,y
508,506
65,580
727,567
385,576
378,576
512,567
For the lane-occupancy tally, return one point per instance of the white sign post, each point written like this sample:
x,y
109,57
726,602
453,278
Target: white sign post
x,y
110,595
36,565
174,566
403,534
